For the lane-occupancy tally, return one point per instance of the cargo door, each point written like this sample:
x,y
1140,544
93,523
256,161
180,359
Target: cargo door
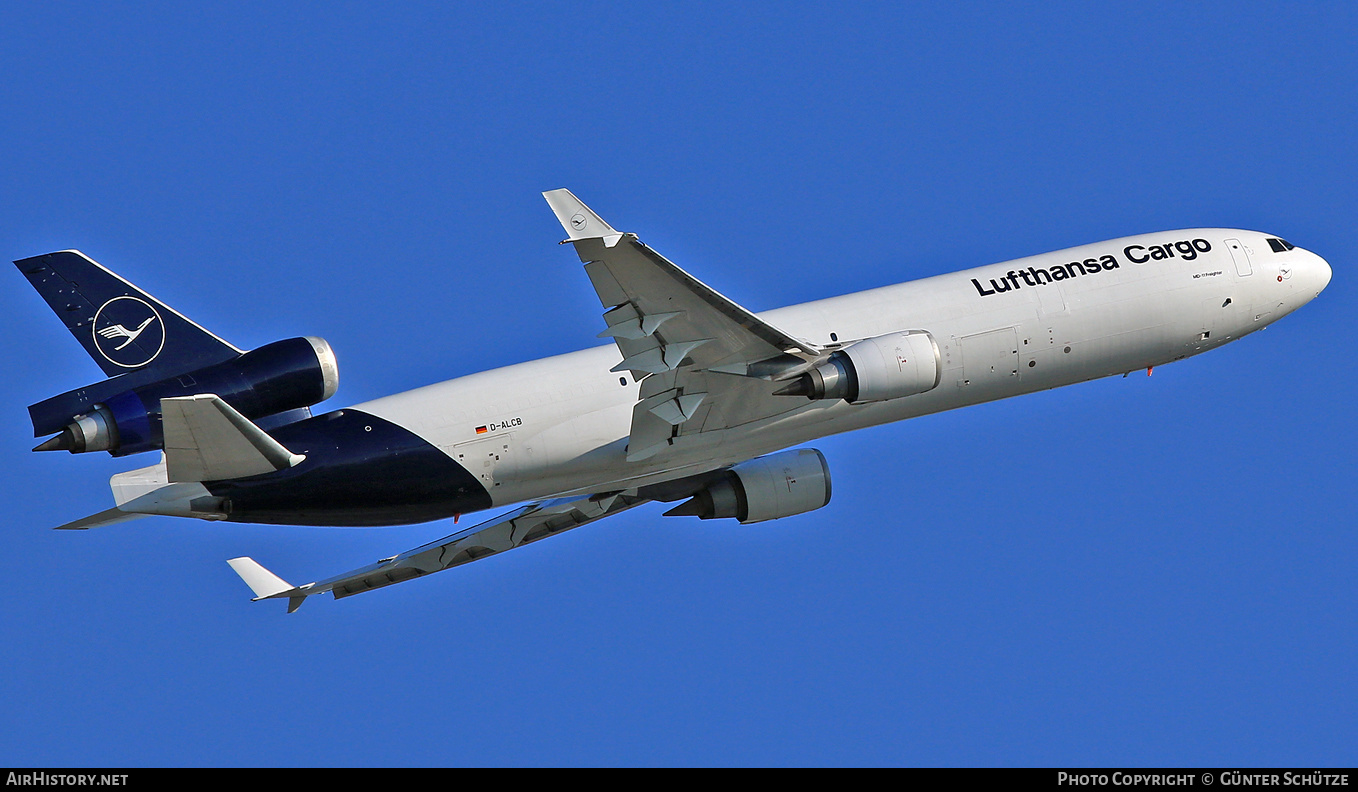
x,y
490,459
990,358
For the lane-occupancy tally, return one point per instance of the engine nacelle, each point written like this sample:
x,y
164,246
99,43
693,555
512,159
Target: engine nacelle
x,y
276,378
875,369
766,488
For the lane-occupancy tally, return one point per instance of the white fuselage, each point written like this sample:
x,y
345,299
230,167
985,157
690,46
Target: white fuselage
x,y
560,425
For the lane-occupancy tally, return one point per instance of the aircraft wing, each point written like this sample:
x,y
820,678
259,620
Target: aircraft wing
x,y
705,363
519,527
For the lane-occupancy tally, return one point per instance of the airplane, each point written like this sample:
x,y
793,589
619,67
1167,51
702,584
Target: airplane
x,y
695,401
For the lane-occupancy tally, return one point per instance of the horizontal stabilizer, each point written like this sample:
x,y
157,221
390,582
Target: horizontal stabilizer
x,y
133,484
207,440
107,517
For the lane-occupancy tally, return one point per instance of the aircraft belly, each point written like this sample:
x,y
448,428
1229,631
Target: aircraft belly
x,y
359,470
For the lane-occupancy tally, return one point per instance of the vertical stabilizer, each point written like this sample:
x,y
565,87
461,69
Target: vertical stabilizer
x,y
123,328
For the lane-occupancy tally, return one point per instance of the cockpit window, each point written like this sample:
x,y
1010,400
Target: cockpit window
x,y
1279,245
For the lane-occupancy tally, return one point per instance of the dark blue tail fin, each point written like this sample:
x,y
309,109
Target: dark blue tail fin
x,y
122,327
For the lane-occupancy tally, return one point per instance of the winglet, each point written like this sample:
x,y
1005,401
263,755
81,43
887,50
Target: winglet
x,y
264,583
579,220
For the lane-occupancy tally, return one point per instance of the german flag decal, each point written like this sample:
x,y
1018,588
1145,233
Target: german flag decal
x,y
481,430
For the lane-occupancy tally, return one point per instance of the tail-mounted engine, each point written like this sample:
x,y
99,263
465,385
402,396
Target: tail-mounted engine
x,y
765,488
277,378
875,369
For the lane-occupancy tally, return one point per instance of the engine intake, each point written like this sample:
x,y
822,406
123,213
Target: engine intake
x,y
765,488
875,369
284,376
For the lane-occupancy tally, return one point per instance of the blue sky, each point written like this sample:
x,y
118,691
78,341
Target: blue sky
x,y
1146,571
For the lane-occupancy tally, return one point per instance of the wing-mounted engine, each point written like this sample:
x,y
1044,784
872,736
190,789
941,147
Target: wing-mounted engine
x,y
765,488
123,415
875,369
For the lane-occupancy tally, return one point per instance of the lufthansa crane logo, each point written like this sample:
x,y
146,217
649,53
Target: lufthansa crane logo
x,y
128,332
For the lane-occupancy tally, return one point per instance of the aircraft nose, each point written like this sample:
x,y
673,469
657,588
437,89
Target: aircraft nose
x,y
1326,272
1316,273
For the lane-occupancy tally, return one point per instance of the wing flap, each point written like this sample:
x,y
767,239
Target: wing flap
x,y
522,526
637,284
706,364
